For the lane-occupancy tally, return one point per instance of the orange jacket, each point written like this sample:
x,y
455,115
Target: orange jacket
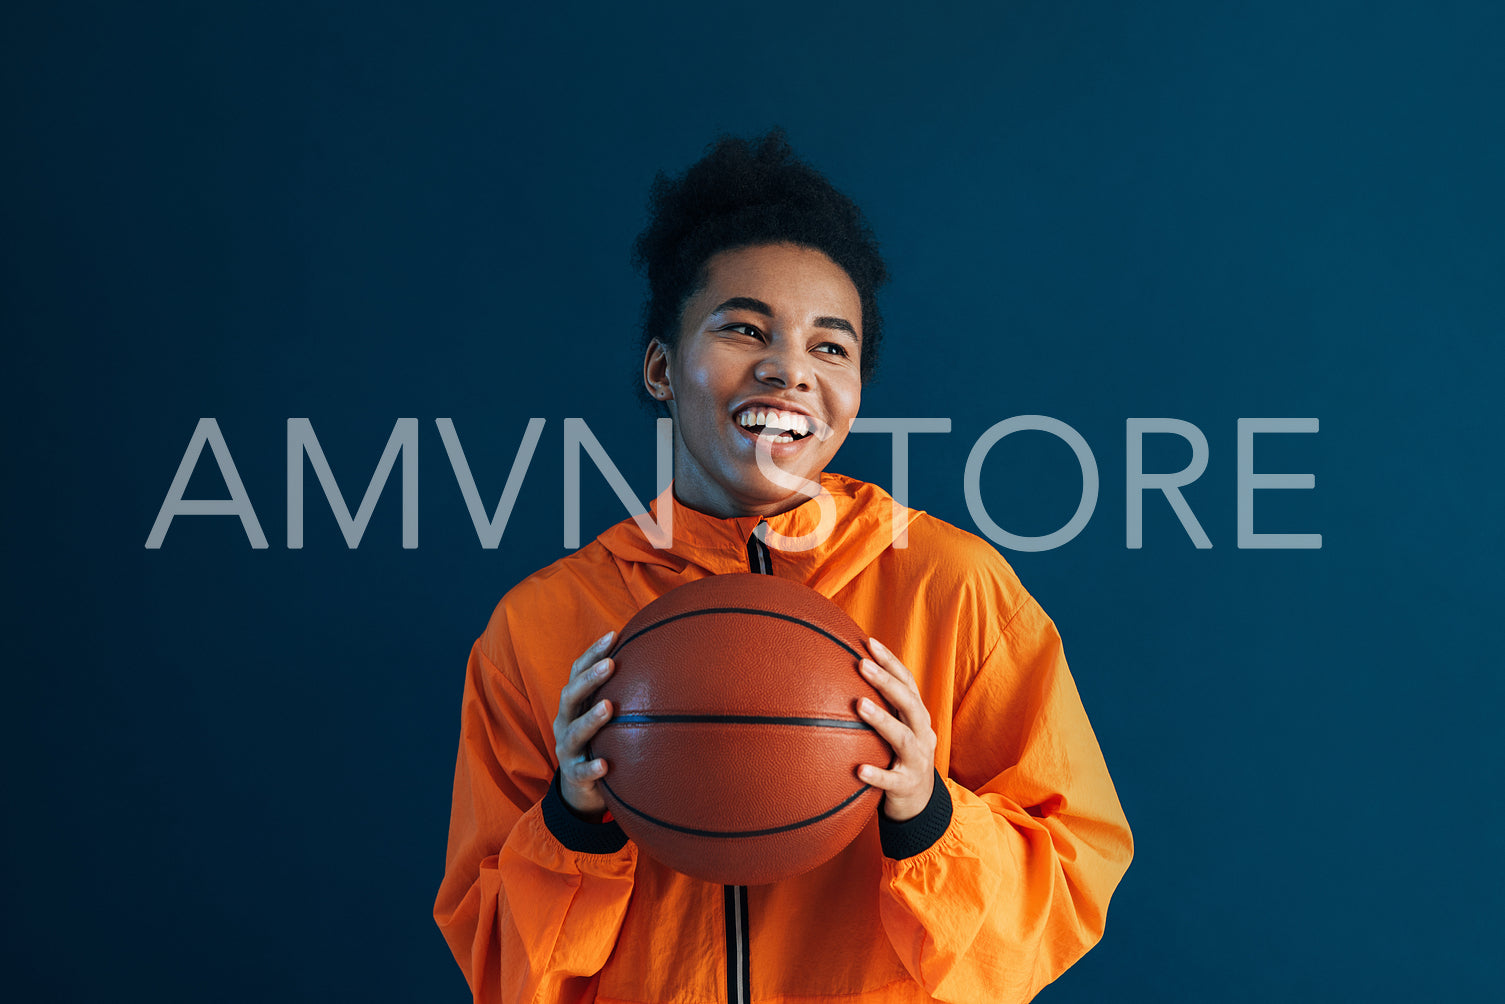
x,y
988,895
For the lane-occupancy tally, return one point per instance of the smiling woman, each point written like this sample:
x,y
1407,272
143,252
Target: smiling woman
x,y
987,869
765,359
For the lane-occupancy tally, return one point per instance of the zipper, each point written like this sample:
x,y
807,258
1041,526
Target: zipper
x,y
738,967
758,559
738,933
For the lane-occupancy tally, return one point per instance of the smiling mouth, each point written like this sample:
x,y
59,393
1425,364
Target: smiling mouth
x,y
780,426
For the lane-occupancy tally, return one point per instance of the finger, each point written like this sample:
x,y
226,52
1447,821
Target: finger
x,y
579,689
583,729
900,737
888,780
890,662
905,700
585,773
591,655
573,735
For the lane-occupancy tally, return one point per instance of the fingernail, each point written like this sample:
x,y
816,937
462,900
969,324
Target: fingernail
x,y
869,666
605,638
875,643
868,706
600,668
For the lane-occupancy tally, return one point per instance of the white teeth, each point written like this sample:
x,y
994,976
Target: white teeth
x,y
785,421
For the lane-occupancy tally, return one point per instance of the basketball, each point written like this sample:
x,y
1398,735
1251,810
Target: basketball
x,y
734,743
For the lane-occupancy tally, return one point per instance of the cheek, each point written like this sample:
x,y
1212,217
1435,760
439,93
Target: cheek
x,y
850,400
692,385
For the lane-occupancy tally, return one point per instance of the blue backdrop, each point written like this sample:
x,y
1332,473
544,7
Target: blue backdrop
x,y
228,769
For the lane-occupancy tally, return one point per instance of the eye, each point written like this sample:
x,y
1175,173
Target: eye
x,y
743,328
833,348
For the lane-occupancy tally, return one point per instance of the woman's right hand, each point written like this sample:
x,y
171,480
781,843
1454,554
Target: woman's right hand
x,y
574,727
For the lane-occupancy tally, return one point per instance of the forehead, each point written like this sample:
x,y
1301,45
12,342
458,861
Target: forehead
x,y
798,283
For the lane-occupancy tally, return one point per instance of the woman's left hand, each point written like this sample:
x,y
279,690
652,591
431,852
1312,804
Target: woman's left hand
x,y
909,783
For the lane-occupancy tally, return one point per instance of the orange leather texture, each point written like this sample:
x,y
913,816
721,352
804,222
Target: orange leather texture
x,y
1014,891
739,645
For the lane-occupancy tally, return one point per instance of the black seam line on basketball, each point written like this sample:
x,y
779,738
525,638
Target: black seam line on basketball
x,y
734,610
727,835
826,723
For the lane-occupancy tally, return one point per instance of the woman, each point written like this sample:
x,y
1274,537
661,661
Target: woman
x,y
999,838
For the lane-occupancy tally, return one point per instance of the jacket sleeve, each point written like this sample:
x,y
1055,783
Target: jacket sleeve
x,y
532,898
1027,841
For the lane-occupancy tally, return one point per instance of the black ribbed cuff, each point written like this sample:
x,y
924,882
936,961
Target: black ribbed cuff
x,y
917,835
575,833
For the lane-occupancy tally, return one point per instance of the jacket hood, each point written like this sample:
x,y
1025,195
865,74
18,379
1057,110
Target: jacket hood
x,y
864,521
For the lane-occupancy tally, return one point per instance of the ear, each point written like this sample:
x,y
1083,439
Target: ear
x,y
656,371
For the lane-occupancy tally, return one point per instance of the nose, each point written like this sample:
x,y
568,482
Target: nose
x,y
784,365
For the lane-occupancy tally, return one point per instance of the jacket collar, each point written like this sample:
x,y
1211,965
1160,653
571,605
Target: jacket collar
x,y
861,526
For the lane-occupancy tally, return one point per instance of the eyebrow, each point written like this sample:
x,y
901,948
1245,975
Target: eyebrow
x,y
759,307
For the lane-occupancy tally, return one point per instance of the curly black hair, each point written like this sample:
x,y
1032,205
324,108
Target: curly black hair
x,y
745,193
